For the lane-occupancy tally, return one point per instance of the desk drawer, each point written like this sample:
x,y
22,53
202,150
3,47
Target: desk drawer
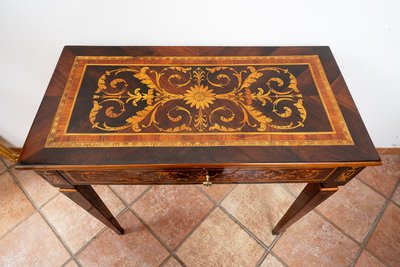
x,y
189,176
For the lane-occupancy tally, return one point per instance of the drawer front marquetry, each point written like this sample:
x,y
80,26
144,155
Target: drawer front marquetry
x,y
136,176
54,178
271,175
188,176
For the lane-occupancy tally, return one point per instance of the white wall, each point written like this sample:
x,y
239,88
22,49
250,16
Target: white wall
x,y
364,36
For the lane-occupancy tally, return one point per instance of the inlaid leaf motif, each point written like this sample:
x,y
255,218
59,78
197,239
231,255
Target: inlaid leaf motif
x,y
198,99
144,78
93,113
254,75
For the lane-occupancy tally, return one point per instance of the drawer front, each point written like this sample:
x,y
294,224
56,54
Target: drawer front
x,y
229,175
136,177
271,175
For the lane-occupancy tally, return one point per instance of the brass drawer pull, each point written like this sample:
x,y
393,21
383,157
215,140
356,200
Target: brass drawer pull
x,y
207,182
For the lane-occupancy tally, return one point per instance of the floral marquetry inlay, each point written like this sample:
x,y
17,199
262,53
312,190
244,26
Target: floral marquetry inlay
x,y
207,99
113,101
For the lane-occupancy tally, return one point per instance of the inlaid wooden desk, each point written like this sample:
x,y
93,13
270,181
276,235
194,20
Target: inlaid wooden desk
x,y
197,115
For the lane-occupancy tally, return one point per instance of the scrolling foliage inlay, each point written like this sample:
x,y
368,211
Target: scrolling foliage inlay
x,y
197,99
124,101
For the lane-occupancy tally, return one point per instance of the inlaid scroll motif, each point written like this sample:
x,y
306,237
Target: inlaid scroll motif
x,y
55,179
197,99
349,173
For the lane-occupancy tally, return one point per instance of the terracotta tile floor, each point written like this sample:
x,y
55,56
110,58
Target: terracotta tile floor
x,y
225,225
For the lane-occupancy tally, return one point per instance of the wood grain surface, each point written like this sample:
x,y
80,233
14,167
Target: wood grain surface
x,y
314,124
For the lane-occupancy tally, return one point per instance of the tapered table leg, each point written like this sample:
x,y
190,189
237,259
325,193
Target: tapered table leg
x,y
311,196
87,198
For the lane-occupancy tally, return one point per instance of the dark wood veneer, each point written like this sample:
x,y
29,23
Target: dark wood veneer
x,y
227,175
70,146
35,153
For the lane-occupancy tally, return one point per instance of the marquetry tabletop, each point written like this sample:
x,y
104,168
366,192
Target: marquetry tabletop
x,y
187,115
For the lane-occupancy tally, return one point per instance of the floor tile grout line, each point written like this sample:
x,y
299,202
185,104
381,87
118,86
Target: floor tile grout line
x,y
39,210
102,230
279,258
5,164
332,223
166,260
203,219
250,233
374,189
9,168
263,257
375,224
195,228
205,216
373,227
377,257
16,225
212,199
398,205
369,234
198,186
30,200
171,252
141,195
269,251
57,235
34,212
338,228
129,207
120,198
67,262
328,221
23,189
61,239
287,189
274,241
49,200
36,208
394,192
134,200
179,260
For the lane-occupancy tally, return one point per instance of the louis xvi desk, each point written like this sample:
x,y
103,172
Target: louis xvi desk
x,y
197,115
